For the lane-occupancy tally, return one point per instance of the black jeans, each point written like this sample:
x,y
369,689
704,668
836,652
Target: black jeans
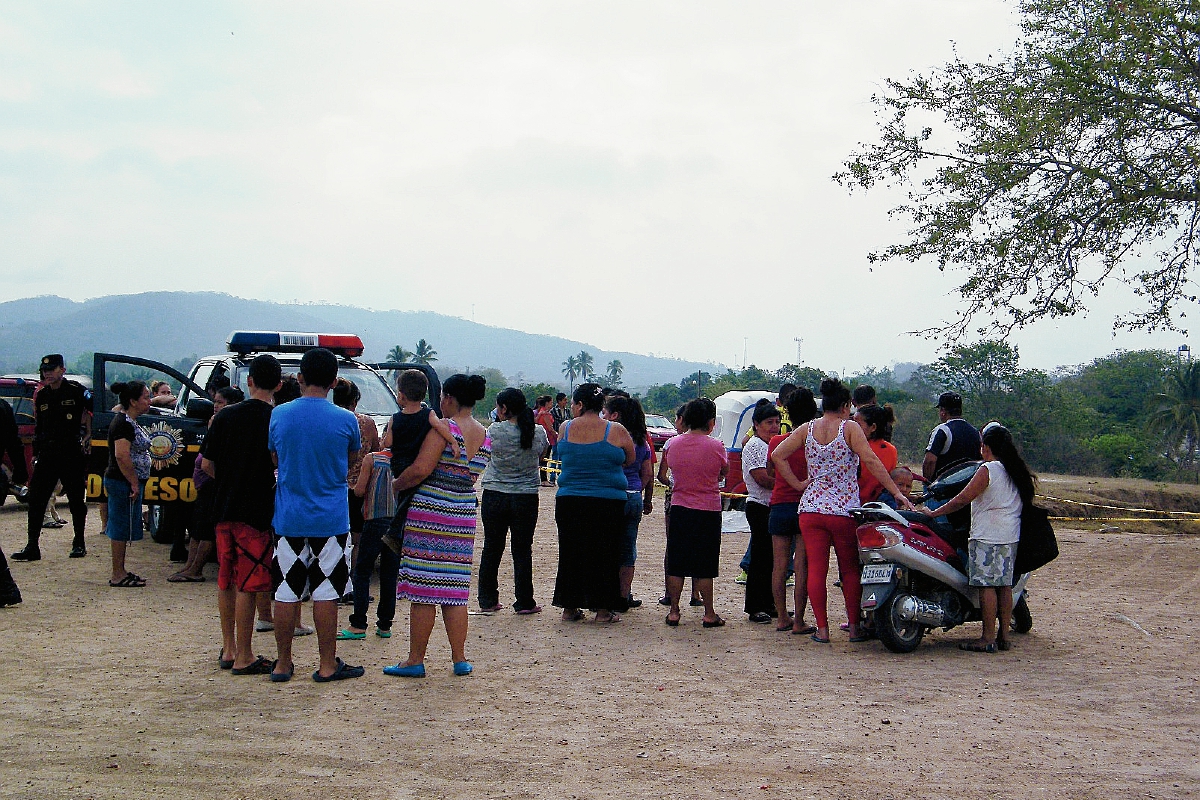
x,y
501,511
762,558
70,467
370,547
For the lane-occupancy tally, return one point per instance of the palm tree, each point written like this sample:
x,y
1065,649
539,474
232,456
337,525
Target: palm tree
x,y
586,363
613,377
398,355
425,354
571,370
1175,413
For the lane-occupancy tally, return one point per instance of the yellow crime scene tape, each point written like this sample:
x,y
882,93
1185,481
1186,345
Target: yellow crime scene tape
x,y
1175,516
1118,508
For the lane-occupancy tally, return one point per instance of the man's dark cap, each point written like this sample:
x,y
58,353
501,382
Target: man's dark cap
x,y
951,401
52,361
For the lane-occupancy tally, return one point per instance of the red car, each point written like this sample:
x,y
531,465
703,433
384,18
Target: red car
x,y
660,429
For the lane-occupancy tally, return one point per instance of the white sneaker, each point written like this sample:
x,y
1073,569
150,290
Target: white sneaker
x,y
262,626
302,630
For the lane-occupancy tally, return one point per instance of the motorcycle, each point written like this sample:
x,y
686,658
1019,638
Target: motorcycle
x,y
913,578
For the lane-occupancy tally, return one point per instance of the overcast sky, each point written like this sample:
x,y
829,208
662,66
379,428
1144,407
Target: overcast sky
x,y
643,176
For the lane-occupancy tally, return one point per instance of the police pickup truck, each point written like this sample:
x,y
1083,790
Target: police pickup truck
x,y
176,433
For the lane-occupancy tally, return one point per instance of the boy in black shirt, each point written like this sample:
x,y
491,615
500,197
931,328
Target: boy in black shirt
x,y
406,432
237,456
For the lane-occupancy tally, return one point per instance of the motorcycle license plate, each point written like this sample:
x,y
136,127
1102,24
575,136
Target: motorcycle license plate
x,y
877,573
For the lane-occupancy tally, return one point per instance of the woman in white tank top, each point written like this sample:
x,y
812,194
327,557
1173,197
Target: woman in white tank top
x,y
834,451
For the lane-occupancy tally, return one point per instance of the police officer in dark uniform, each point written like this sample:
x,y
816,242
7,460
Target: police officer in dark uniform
x,y
10,443
62,440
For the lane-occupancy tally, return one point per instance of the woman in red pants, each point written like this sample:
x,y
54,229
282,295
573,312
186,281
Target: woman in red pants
x,y
834,451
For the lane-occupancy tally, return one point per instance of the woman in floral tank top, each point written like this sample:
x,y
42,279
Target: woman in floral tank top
x,y
834,451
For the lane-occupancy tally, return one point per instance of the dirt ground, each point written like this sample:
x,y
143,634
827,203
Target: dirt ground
x,y
115,693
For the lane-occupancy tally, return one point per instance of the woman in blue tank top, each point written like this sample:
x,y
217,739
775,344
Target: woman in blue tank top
x,y
590,508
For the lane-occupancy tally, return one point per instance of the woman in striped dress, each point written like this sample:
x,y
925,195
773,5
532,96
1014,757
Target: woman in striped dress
x,y
439,535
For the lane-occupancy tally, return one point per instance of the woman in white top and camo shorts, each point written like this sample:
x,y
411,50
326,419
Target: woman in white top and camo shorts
x,y
997,494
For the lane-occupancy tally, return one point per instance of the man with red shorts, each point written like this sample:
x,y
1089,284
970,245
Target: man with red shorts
x,y
237,456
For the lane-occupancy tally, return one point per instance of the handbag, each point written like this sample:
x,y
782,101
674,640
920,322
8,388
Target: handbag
x,y
1037,546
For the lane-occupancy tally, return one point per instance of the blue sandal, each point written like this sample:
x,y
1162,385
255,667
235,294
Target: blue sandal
x,y
410,671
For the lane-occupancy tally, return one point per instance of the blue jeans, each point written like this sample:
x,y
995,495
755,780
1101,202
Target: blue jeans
x,y
370,547
633,518
500,512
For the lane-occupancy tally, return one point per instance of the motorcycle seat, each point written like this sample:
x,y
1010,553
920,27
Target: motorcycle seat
x,y
936,524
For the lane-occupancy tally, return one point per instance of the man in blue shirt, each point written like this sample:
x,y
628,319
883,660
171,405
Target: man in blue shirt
x,y
312,440
953,441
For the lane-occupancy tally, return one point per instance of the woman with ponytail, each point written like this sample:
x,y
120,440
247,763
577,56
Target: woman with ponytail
x,y
997,495
510,500
834,447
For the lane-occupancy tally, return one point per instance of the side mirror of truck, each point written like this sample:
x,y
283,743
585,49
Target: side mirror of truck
x,y
199,408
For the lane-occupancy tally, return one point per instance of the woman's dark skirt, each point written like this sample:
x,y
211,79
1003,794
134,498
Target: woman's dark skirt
x,y
693,543
589,540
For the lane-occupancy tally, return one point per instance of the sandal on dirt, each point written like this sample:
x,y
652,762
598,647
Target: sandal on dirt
x,y
129,581
282,677
179,577
819,640
223,662
260,667
1003,644
343,672
346,633
578,615
674,623
977,647
716,623
805,631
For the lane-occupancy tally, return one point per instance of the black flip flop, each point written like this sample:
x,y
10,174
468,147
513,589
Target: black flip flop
x,y
260,667
343,672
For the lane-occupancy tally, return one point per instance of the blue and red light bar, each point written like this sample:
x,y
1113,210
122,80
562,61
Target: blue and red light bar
x,y
347,345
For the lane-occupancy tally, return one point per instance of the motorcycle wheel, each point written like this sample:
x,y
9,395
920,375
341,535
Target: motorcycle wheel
x,y
898,635
1022,620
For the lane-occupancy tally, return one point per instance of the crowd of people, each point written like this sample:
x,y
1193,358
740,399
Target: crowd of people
x,y
301,499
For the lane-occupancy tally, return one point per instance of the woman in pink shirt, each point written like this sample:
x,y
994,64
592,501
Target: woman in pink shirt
x,y
697,463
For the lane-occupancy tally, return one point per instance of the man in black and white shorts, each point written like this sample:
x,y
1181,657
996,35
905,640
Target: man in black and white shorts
x,y
312,440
